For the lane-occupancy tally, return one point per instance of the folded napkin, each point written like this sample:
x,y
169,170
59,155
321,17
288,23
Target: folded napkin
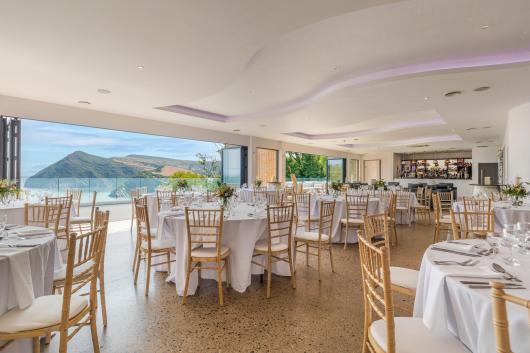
x,y
457,246
480,271
26,232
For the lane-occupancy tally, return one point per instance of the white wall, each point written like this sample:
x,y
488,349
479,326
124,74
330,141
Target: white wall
x,y
482,155
517,144
387,164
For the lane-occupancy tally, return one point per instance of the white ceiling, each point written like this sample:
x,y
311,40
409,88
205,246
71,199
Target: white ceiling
x,y
321,68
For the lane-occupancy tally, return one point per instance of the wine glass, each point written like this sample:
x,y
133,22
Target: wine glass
x,y
494,241
3,224
524,237
510,240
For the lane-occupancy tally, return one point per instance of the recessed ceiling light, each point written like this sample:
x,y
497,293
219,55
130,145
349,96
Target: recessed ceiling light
x,y
486,127
482,88
484,27
263,125
236,130
426,98
482,146
140,67
355,139
83,102
453,93
471,128
103,91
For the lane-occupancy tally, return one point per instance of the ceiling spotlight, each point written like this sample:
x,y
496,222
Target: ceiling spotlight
x,y
453,93
103,91
471,128
427,98
482,146
83,102
236,130
140,67
484,27
263,125
486,127
482,88
355,139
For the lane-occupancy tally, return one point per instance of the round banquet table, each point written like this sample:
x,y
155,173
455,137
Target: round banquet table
x,y
504,213
446,304
374,207
27,273
240,233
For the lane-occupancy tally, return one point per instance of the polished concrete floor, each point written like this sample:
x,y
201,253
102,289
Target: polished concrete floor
x,y
316,317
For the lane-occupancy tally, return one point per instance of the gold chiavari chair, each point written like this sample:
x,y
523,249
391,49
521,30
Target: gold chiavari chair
x,y
84,224
166,195
384,333
442,225
403,205
39,215
471,224
60,313
472,204
404,280
320,240
76,198
274,198
420,193
446,202
84,259
153,231
147,247
356,209
66,211
205,233
423,208
392,220
142,190
278,242
288,193
500,315
303,215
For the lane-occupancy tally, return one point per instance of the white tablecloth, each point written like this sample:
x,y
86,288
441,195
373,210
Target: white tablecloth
x,y
504,213
240,234
446,304
27,273
374,207
15,212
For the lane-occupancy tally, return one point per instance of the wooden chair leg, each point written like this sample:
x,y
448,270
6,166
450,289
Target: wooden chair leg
x,y
137,269
147,274
187,283
94,331
220,284
307,254
36,344
168,258
63,341
227,269
102,298
269,275
291,267
346,236
294,256
136,251
319,261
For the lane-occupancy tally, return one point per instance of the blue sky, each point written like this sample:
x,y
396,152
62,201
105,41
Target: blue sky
x,y
44,143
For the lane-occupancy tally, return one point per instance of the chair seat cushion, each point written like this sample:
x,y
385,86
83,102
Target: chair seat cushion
x,y
78,220
159,244
313,236
209,252
413,337
403,208
352,221
404,277
45,311
60,275
263,245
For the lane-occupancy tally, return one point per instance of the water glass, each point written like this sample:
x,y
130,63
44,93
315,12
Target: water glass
x,y
3,224
510,240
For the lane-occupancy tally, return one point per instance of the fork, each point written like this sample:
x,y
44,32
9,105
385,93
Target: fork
x,y
461,263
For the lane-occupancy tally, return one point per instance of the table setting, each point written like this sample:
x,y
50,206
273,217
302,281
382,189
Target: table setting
x,y
454,291
29,257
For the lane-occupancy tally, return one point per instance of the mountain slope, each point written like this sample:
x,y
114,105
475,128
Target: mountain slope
x,y
156,164
83,165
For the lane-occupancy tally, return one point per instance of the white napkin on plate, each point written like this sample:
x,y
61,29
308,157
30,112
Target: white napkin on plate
x,y
28,232
481,271
457,246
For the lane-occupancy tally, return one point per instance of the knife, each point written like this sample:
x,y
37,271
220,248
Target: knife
x,y
488,283
455,252
481,286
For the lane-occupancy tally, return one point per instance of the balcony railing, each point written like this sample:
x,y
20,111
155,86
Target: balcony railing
x,y
109,190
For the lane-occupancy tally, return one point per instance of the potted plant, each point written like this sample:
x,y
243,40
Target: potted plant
x,y
181,185
516,192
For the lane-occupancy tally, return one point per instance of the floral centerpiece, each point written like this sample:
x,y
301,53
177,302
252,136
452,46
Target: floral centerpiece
x,y
336,187
257,183
7,188
517,192
224,192
379,183
180,184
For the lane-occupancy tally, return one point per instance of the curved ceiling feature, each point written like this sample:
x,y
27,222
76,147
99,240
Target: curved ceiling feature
x,y
405,142
382,128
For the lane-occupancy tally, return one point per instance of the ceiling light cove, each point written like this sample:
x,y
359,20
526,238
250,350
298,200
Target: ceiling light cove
x,y
387,127
423,141
199,113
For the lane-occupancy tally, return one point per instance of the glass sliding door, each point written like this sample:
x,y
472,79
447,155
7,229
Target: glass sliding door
x,y
354,171
234,165
266,165
336,170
